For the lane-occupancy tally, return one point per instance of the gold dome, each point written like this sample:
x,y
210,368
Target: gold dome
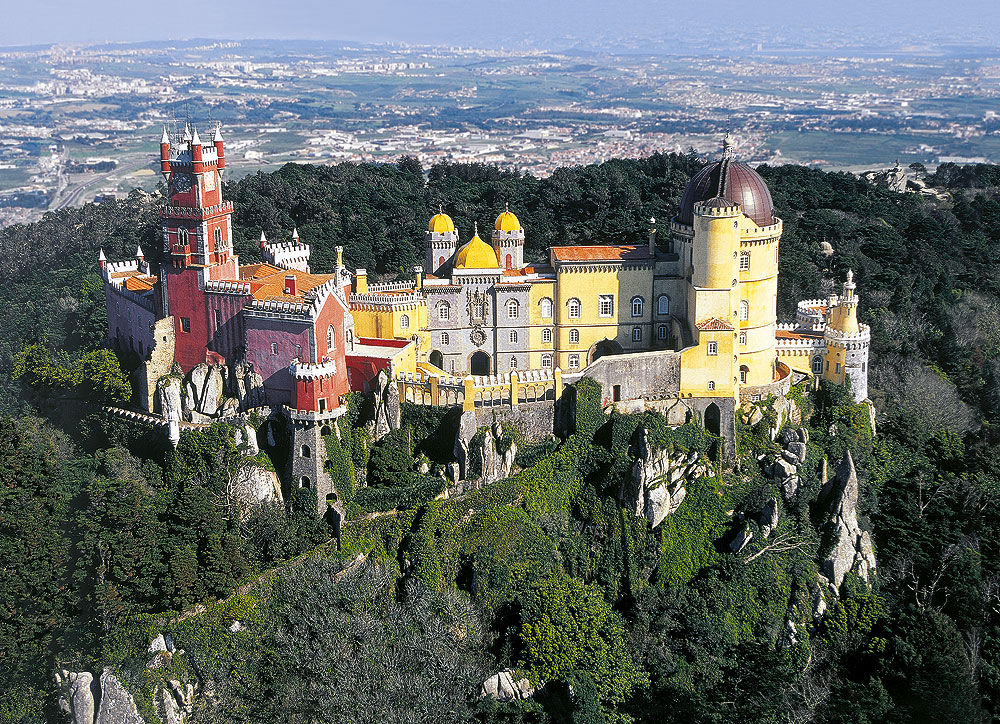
x,y
507,222
441,223
476,254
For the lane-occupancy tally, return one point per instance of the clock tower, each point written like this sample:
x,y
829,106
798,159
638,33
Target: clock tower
x,y
197,237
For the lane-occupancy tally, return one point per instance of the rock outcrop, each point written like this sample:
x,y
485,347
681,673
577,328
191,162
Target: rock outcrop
x,y
117,705
170,392
769,518
785,470
78,694
204,388
387,409
489,457
850,546
245,386
502,687
174,701
656,486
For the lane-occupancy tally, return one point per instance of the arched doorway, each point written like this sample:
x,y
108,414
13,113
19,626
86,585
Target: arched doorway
x,y
479,363
713,419
603,348
436,359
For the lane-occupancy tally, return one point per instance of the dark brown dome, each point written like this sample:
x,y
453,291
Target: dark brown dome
x,y
734,181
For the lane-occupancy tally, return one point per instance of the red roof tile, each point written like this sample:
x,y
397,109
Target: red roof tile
x,y
600,253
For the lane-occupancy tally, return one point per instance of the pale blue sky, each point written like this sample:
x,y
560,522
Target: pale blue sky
x,y
539,23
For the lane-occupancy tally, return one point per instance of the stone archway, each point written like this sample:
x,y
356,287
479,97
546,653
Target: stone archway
x,y
604,348
713,419
436,359
479,363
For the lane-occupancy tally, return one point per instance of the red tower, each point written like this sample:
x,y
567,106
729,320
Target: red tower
x,y
197,232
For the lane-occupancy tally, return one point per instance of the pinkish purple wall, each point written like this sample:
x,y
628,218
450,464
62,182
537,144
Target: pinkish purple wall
x,y
129,323
291,340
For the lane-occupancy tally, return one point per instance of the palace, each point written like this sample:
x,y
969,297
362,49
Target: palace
x,y
686,324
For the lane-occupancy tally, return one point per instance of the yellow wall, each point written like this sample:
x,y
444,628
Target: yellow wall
x,y
587,286
385,323
536,348
698,367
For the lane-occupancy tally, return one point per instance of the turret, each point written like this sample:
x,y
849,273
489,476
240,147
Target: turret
x,y
196,151
844,315
219,149
440,241
187,132
102,261
263,239
165,153
508,240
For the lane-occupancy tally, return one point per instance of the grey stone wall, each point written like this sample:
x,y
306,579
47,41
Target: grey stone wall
x,y
535,420
647,375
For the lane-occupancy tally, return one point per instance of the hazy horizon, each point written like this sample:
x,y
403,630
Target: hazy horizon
x,y
520,23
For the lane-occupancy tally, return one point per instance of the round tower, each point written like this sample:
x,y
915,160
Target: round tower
x,y
508,240
847,343
440,241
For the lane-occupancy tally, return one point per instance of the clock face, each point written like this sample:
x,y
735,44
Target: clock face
x,y
180,183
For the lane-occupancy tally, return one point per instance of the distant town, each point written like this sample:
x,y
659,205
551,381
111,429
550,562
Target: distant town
x,y
79,123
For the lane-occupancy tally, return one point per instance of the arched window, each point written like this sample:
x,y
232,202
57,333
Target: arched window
x,y
817,365
636,334
574,361
574,336
513,363
513,336
445,338
331,338
218,238
349,336
546,336
510,262
305,452
546,361
661,332
404,321
744,261
545,308
440,261
637,304
663,304
274,348
512,308
606,305
744,310
304,482
744,373
444,311
711,385
573,308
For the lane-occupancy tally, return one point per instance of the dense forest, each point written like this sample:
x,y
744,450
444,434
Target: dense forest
x,y
107,535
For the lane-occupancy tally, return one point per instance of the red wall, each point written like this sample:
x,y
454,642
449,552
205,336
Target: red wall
x,y
229,339
185,299
121,328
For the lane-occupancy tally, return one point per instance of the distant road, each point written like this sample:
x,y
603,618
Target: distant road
x,y
75,193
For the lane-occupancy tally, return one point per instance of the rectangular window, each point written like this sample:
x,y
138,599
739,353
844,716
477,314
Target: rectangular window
x,y
574,361
606,305
636,334
185,324
713,349
274,348
743,337
837,371
744,261
218,319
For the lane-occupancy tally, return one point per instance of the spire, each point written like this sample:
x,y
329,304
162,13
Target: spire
x,y
138,252
187,131
263,239
727,145
218,134
475,228
195,139
506,207
295,234
165,139
440,208
101,259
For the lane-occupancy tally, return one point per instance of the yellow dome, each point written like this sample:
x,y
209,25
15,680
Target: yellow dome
x,y
476,254
507,222
441,223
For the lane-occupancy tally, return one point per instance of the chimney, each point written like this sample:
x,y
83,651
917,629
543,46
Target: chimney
x,y
418,272
290,284
360,281
652,236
